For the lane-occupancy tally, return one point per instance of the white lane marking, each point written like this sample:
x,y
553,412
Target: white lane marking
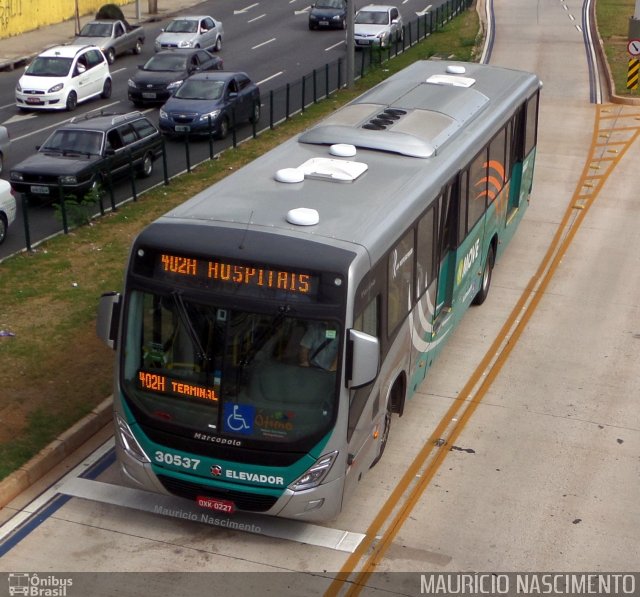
x,y
245,9
175,507
264,43
340,43
25,513
256,18
269,78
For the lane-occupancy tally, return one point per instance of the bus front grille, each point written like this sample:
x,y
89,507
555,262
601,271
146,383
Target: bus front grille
x,y
250,502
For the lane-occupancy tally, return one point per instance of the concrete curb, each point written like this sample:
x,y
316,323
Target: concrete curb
x,y
55,452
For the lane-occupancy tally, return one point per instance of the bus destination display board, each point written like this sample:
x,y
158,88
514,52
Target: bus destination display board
x,y
225,277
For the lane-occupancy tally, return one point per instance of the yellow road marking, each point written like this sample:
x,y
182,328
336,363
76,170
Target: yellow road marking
x,y
425,465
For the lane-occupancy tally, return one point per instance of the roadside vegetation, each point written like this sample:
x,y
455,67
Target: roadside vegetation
x,y
612,18
54,369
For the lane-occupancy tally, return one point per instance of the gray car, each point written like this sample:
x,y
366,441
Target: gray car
x,y
5,142
377,25
191,32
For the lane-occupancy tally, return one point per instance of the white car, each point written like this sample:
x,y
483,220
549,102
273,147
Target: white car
x,y
7,208
377,25
191,32
62,77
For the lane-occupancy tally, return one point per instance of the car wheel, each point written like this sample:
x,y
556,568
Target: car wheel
x,y
110,55
137,49
137,104
72,101
3,228
146,167
223,131
218,45
311,27
106,89
255,113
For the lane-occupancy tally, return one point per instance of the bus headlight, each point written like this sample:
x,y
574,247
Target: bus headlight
x,y
316,474
129,442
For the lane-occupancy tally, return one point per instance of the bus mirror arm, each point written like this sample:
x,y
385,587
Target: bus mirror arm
x,y
363,358
108,318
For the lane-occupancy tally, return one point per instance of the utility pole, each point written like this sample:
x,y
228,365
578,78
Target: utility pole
x,y
351,46
634,23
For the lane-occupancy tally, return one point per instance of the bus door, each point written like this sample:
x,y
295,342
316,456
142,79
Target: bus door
x,y
445,258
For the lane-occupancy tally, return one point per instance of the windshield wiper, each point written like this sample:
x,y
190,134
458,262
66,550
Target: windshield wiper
x,y
188,324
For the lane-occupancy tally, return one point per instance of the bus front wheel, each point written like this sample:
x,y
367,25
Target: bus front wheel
x,y
486,278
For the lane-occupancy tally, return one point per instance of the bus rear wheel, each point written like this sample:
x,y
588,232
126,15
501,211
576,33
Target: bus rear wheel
x,y
486,278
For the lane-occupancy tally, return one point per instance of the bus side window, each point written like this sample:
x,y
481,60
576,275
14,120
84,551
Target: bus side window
x,y
426,251
531,128
399,281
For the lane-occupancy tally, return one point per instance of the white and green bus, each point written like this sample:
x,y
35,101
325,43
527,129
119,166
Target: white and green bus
x,y
272,326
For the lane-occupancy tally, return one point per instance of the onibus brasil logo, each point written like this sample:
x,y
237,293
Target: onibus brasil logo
x,y
38,585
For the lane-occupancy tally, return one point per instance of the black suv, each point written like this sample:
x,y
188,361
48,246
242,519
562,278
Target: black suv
x,y
88,152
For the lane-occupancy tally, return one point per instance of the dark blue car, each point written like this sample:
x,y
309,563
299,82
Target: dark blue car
x,y
211,103
328,14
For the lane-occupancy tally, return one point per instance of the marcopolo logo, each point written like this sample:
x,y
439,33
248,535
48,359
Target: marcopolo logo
x,y
38,585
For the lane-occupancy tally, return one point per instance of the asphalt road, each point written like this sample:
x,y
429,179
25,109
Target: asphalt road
x,y
270,41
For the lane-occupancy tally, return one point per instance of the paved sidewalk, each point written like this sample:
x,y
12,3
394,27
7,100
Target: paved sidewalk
x,y
16,51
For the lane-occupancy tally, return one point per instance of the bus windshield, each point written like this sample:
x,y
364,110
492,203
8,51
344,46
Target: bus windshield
x,y
230,372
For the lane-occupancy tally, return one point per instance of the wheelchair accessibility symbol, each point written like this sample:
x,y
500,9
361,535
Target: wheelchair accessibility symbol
x,y
238,418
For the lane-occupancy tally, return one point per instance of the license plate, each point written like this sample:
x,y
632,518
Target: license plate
x,y
224,506
39,190
148,95
182,128
324,23
34,100
363,42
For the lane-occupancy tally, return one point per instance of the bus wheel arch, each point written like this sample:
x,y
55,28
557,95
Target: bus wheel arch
x,y
398,394
486,274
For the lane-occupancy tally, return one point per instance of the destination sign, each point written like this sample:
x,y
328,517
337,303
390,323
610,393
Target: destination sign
x,y
162,384
233,277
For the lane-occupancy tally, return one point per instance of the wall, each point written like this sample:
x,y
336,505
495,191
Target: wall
x,y
18,16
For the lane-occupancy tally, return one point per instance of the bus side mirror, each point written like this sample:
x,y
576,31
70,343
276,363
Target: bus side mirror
x,y
108,318
364,358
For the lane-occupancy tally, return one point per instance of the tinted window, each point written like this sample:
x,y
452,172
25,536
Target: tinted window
x,y
49,67
532,119
143,127
497,165
477,189
127,134
426,251
400,275
93,58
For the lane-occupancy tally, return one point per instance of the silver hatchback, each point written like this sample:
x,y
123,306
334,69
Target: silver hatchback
x,y
378,25
191,32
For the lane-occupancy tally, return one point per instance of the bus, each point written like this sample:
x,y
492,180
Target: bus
x,y
272,326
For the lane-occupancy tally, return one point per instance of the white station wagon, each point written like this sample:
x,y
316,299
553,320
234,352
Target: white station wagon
x,y
7,208
62,77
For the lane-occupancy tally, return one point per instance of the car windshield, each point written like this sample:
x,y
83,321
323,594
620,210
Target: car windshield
x,y
182,26
49,66
167,62
96,30
372,17
230,372
330,4
200,89
74,141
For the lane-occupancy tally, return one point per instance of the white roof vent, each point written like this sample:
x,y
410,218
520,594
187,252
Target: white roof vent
x,y
456,69
303,216
323,169
456,81
289,175
343,150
